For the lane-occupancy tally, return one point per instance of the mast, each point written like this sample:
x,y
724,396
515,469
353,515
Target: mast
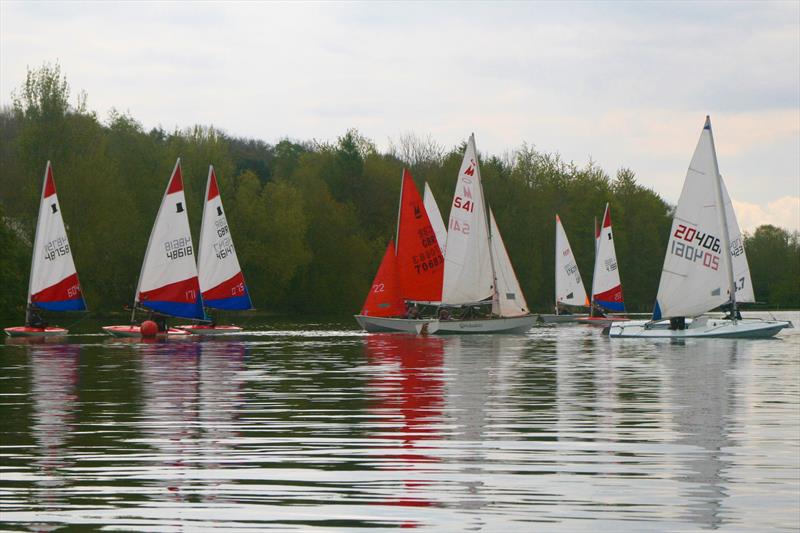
x,y
556,265
495,296
726,244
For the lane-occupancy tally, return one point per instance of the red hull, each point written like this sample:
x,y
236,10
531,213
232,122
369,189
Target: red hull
x,y
135,331
26,331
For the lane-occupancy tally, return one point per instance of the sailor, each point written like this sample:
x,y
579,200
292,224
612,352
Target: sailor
x,y
35,320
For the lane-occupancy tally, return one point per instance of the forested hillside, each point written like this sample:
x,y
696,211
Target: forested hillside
x,y
311,220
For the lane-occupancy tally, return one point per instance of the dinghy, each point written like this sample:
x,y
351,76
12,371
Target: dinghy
x,y
570,292
479,290
221,281
168,283
53,284
606,285
705,265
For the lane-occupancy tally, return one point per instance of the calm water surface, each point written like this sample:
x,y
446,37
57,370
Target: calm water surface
x,y
320,427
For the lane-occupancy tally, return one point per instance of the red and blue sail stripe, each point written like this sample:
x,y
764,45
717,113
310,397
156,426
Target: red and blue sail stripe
x,y
231,294
180,299
63,296
611,299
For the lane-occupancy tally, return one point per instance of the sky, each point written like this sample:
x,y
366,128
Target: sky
x,y
623,84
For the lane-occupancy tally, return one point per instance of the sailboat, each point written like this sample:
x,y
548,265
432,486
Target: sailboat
x,y
606,285
53,283
221,281
569,285
168,283
480,292
705,264
411,270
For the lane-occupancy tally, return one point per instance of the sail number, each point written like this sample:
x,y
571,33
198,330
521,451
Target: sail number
x,y
461,227
695,254
222,227
177,248
707,241
378,287
58,247
466,205
427,261
223,248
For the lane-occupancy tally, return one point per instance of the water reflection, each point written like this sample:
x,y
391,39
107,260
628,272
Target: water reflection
x,y
405,394
54,380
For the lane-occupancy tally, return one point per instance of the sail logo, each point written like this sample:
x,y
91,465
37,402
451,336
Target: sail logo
x,y
470,171
417,211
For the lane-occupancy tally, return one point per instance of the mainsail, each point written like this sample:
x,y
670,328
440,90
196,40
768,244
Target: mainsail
x,y
168,281
384,297
569,285
510,300
53,284
420,264
606,286
435,217
694,278
468,275
221,280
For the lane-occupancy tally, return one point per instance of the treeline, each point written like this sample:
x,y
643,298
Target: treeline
x,y
311,220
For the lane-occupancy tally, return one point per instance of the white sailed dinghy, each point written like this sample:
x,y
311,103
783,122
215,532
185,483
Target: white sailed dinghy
x,y
480,291
705,265
221,281
168,283
570,292
53,283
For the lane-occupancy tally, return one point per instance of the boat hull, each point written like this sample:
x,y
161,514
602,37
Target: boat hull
x,y
27,331
135,331
560,319
601,321
209,331
711,328
374,324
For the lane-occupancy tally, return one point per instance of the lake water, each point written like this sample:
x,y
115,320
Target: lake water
x,y
321,427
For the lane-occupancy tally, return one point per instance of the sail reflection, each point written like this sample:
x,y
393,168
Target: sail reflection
x,y
406,393
54,379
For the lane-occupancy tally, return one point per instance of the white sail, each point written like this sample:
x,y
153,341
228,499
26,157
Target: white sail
x,y
168,281
741,269
221,280
694,279
435,217
53,284
569,285
468,273
510,300
606,286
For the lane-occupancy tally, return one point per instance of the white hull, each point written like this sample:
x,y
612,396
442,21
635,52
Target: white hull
x,y
517,324
210,331
703,327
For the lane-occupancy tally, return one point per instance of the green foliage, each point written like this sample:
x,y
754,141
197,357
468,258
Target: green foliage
x,y
774,258
311,221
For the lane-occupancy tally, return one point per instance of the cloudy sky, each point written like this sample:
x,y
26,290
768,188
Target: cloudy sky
x,y
621,83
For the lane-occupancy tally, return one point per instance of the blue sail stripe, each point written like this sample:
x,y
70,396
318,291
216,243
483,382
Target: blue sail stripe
x,y
76,304
611,306
182,310
232,303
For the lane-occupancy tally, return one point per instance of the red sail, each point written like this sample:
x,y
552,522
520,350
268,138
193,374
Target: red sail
x,y
384,294
420,263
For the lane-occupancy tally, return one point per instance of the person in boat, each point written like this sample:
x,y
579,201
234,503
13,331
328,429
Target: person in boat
x,y
35,319
562,309
730,314
677,323
412,312
598,310
444,314
161,322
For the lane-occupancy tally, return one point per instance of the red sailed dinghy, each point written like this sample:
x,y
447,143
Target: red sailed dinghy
x,y
53,284
168,284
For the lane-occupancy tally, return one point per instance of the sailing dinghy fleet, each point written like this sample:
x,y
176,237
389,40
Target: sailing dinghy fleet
x,y
433,279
